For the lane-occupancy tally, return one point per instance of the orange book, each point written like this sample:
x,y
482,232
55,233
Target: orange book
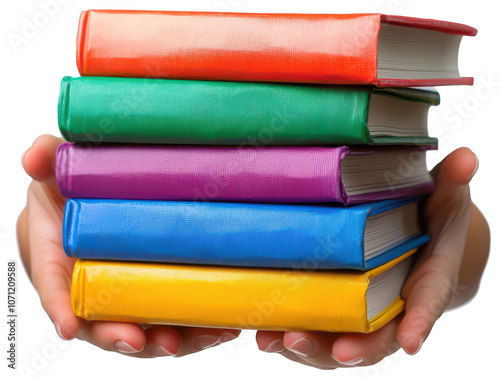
x,y
349,49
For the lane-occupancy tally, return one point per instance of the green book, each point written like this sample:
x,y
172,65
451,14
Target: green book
x,y
156,111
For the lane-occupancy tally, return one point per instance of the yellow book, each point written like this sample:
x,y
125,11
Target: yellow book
x,y
239,297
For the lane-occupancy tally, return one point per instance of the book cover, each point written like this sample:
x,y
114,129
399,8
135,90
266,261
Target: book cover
x,y
272,174
300,48
156,111
236,234
231,297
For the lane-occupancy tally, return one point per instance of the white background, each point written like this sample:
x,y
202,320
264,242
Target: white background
x,y
463,342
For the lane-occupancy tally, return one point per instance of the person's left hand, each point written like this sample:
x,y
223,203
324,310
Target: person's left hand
x,y
430,288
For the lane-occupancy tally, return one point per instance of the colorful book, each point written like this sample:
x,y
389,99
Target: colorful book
x,y
128,110
232,297
237,234
272,174
382,50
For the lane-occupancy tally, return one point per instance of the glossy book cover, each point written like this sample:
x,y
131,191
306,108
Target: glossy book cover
x,y
275,47
271,174
231,297
156,111
238,234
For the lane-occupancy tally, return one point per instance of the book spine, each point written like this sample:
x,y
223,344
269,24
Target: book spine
x,y
210,112
78,283
232,234
70,228
63,108
274,174
307,48
215,296
81,49
63,162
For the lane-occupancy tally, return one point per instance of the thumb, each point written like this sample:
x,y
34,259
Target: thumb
x,y
456,169
432,282
452,175
39,159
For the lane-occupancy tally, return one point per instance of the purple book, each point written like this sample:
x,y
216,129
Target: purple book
x,y
242,174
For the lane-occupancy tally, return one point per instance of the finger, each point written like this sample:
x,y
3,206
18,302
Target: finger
x,y
431,289
432,283
53,284
126,338
367,349
39,160
162,341
272,342
451,177
195,339
456,169
51,269
314,347
306,347
439,265
447,214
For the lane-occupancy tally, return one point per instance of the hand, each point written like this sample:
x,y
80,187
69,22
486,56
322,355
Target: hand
x,y
428,291
39,230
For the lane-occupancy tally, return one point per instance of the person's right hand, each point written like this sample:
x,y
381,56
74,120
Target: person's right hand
x,y
39,231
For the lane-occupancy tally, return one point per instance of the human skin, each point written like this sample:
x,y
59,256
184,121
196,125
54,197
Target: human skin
x,y
39,231
446,275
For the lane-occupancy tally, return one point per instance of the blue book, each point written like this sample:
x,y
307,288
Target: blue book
x,y
242,234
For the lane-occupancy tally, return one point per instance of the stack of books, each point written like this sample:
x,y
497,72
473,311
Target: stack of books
x,y
258,171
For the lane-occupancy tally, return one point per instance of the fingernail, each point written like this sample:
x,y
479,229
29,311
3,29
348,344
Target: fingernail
x,y
475,168
275,346
350,363
418,348
227,336
158,351
123,347
303,347
58,330
205,341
